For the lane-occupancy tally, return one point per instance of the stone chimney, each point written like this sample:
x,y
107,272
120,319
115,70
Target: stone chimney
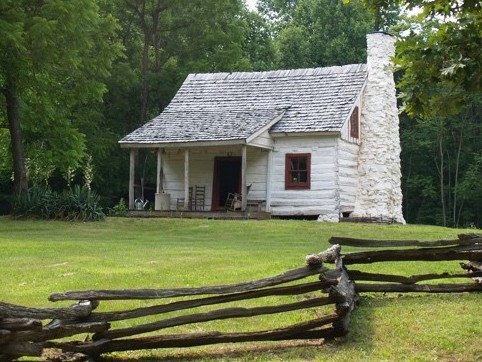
x,y
379,187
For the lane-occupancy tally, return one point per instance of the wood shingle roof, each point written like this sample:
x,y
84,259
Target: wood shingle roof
x,y
234,106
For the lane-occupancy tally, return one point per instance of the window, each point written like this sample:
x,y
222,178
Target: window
x,y
354,122
297,171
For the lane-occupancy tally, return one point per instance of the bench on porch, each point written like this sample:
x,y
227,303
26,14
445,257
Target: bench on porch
x,y
234,202
255,204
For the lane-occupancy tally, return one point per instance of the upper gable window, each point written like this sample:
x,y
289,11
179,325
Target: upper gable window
x,y
355,123
298,171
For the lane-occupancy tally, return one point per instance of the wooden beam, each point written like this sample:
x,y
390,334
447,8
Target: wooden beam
x,y
19,349
298,331
186,179
424,254
290,275
244,191
219,314
131,177
60,329
194,303
81,309
269,169
418,288
159,167
345,297
367,243
357,275
20,324
330,255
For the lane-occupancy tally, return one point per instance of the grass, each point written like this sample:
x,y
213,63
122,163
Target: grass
x,y
39,258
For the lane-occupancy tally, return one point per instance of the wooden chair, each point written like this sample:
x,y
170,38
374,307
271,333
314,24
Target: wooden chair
x,y
233,202
180,201
199,197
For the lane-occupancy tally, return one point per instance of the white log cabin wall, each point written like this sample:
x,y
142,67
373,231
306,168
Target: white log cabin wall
x,y
201,170
323,196
347,174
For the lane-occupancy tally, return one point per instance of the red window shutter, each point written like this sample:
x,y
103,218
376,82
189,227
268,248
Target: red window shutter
x,y
354,123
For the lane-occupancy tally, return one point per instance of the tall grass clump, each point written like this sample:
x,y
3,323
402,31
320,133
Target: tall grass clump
x,y
41,202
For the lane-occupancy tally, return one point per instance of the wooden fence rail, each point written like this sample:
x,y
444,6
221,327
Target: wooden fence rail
x,y
23,332
466,247
29,331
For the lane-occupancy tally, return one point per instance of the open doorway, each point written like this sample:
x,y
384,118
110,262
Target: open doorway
x,y
226,179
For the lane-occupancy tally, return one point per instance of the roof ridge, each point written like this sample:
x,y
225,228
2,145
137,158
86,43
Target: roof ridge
x,y
337,69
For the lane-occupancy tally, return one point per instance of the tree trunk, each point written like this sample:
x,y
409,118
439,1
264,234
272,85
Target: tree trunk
x,y
442,186
145,71
456,181
20,183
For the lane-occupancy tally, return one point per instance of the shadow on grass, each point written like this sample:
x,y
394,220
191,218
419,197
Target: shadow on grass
x,y
359,337
243,351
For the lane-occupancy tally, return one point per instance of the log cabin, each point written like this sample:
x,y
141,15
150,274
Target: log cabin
x,y
321,142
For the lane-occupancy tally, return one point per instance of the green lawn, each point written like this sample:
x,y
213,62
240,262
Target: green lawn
x,y
39,258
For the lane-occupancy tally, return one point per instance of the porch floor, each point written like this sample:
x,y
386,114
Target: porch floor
x,y
221,215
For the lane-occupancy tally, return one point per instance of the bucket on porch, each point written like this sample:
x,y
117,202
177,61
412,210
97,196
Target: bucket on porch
x,y
140,204
162,202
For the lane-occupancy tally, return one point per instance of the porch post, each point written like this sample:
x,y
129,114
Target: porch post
x,y
131,178
268,180
244,193
159,167
186,179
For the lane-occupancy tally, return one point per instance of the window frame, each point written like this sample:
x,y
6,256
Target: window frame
x,y
289,184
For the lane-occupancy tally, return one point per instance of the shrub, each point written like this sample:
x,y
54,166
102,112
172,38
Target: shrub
x,y
41,202
120,209
38,202
82,204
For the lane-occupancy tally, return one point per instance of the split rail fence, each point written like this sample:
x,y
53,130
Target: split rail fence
x,y
29,331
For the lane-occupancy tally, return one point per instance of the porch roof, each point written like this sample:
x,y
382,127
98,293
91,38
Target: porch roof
x,y
223,107
181,126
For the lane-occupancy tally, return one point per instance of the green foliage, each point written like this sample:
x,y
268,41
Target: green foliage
x,y
40,202
64,57
439,54
319,32
259,45
441,167
81,203
55,58
385,12
294,48
279,12
120,209
214,40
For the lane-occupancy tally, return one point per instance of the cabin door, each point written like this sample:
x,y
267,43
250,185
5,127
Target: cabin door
x,y
226,179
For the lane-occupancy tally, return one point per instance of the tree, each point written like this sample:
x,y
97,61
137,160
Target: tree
x,y
259,44
186,36
441,167
439,62
439,55
336,31
318,32
278,12
55,56
179,37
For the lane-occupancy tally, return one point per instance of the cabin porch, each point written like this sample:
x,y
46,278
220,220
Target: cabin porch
x,y
250,213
